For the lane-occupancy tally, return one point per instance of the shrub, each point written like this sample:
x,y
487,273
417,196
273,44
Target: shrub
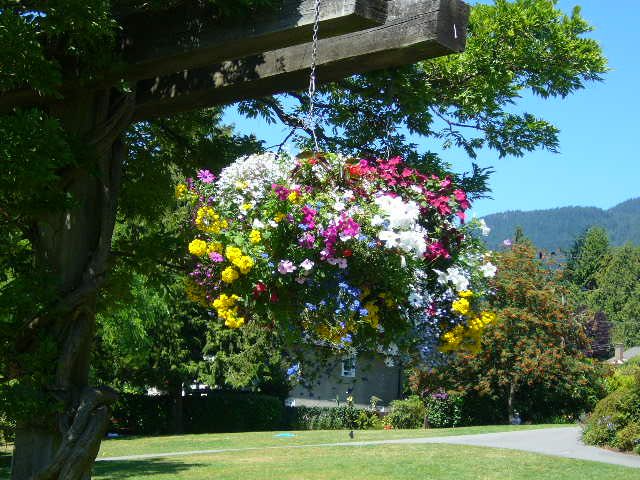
x,y
332,418
628,438
407,413
444,409
615,421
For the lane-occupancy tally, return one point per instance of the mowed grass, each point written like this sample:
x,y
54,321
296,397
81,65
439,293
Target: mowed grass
x,y
184,443
380,462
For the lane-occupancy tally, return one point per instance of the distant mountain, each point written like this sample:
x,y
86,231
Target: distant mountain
x,y
557,228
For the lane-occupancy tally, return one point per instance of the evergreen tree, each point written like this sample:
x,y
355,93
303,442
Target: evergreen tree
x,y
586,258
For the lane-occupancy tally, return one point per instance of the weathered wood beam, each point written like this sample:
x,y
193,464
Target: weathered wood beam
x,y
187,38
415,30
190,37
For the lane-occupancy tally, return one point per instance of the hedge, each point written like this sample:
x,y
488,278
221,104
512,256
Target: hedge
x,y
218,412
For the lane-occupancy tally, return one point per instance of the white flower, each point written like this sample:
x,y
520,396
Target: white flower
x,y
456,276
483,227
412,241
307,264
376,221
257,224
273,224
415,300
389,237
443,278
339,206
401,214
342,263
488,270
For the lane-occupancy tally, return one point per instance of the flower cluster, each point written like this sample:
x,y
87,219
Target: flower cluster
x,y
349,252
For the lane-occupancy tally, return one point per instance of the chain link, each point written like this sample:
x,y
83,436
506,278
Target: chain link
x,y
311,93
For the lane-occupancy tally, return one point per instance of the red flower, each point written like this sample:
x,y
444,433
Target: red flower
x,y
273,298
259,289
347,252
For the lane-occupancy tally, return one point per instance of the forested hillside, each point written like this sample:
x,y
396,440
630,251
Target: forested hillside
x,y
558,228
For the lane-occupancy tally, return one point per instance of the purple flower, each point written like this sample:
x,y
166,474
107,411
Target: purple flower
x,y
286,266
507,242
206,176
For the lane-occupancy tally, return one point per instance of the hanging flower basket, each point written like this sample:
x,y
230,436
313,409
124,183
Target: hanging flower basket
x,y
350,252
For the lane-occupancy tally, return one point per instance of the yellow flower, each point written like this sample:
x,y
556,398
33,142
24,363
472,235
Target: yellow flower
x,y
488,317
466,294
294,197
234,322
246,207
225,301
181,191
255,236
279,217
232,253
209,221
461,306
244,264
229,275
198,247
372,314
241,185
214,247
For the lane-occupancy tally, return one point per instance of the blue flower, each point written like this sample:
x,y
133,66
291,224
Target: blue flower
x,y
311,307
293,370
264,255
363,312
347,338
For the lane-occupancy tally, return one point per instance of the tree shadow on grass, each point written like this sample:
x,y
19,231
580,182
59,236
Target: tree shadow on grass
x,y
140,468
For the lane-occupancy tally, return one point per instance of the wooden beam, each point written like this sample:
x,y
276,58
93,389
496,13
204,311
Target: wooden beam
x,y
415,30
190,37
186,38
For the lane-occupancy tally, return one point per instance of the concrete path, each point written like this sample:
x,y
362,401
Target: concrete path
x,y
561,442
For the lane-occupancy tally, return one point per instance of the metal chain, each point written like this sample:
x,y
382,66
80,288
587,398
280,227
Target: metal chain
x,y
311,119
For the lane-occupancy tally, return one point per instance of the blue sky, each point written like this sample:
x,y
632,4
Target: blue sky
x,y
598,160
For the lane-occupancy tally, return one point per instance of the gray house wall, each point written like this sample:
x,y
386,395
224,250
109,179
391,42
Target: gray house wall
x,y
322,381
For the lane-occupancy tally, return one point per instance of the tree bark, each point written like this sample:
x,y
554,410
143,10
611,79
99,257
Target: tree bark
x,y
510,399
74,243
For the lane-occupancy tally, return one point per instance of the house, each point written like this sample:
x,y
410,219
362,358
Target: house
x,y
326,380
621,356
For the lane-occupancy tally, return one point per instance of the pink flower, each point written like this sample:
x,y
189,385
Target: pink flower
x,y
216,257
206,176
286,266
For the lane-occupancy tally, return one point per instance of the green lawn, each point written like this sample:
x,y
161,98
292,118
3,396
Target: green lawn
x,y
396,462
182,443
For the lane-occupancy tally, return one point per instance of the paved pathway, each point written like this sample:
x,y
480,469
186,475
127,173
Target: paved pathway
x,y
561,442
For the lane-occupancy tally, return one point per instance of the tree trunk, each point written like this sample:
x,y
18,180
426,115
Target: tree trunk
x,y
510,399
74,243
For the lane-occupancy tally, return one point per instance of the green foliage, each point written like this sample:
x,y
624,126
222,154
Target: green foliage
x,y
216,412
533,353
444,410
614,421
618,292
407,413
345,417
586,257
